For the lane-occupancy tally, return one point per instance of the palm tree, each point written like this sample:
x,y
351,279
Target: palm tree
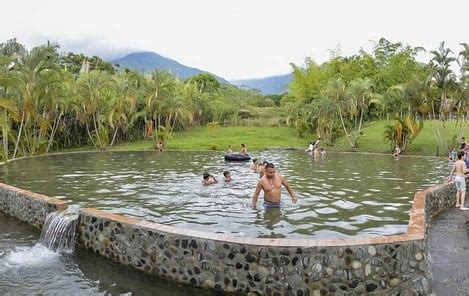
x,y
123,104
464,63
336,90
402,132
8,105
464,81
30,70
160,85
93,88
361,93
62,98
441,62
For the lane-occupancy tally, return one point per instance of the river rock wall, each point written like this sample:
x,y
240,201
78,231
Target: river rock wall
x,y
389,265
28,206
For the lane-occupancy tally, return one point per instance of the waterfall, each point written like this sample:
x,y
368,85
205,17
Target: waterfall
x,y
59,231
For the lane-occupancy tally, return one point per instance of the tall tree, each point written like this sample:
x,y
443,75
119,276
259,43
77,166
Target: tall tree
x,y
442,73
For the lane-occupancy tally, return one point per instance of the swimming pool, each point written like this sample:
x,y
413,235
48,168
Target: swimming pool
x,y
341,195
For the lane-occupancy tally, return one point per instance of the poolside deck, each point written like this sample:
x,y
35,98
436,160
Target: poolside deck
x,y
448,248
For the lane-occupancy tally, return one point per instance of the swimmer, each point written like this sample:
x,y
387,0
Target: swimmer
x,y
271,183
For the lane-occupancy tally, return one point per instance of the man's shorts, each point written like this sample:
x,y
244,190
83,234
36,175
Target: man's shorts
x,y
460,183
271,205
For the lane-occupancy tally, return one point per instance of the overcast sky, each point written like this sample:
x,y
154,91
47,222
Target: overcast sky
x,y
235,39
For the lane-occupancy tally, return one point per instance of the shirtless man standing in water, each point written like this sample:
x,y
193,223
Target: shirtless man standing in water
x,y
271,183
459,169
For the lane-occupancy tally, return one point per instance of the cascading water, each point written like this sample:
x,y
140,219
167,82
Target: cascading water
x,y
59,232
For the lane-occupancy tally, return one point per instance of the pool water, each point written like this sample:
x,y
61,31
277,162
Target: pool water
x,y
340,195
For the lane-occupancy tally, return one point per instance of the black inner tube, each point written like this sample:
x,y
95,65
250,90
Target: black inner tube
x,y
237,157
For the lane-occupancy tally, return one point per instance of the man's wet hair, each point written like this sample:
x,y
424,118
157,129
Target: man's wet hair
x,y
226,173
460,154
254,160
270,165
206,175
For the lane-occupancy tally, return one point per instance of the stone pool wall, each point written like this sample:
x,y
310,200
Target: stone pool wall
x,y
265,266
440,199
28,206
382,265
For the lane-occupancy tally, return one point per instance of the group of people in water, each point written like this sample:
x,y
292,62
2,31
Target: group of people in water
x,y
315,150
208,179
459,170
270,182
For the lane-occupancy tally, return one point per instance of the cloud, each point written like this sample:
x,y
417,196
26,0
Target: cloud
x,y
234,39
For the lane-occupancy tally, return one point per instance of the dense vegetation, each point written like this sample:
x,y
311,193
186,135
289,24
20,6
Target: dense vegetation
x,y
53,101
341,95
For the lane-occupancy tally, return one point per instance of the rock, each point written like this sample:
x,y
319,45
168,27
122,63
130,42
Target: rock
x,y
370,287
394,282
263,272
356,264
418,256
316,268
367,270
372,250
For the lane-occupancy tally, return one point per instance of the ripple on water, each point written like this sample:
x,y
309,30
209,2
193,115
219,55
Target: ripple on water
x,y
346,205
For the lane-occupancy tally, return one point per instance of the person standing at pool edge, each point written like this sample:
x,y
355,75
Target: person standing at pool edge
x,y
459,169
271,183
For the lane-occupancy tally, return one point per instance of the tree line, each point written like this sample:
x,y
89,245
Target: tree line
x,y
52,101
338,96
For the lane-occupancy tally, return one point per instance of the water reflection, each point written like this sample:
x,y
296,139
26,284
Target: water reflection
x,y
339,195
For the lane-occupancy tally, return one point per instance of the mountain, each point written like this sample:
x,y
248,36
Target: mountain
x,y
149,61
267,85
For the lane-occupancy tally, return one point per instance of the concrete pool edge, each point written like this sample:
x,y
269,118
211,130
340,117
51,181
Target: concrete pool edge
x,y
384,264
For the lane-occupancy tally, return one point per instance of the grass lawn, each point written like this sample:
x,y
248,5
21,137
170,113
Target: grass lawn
x,y
255,138
258,138
426,142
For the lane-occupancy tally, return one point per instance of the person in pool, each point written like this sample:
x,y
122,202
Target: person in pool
x,y
208,179
159,146
453,154
244,149
253,165
271,183
227,176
